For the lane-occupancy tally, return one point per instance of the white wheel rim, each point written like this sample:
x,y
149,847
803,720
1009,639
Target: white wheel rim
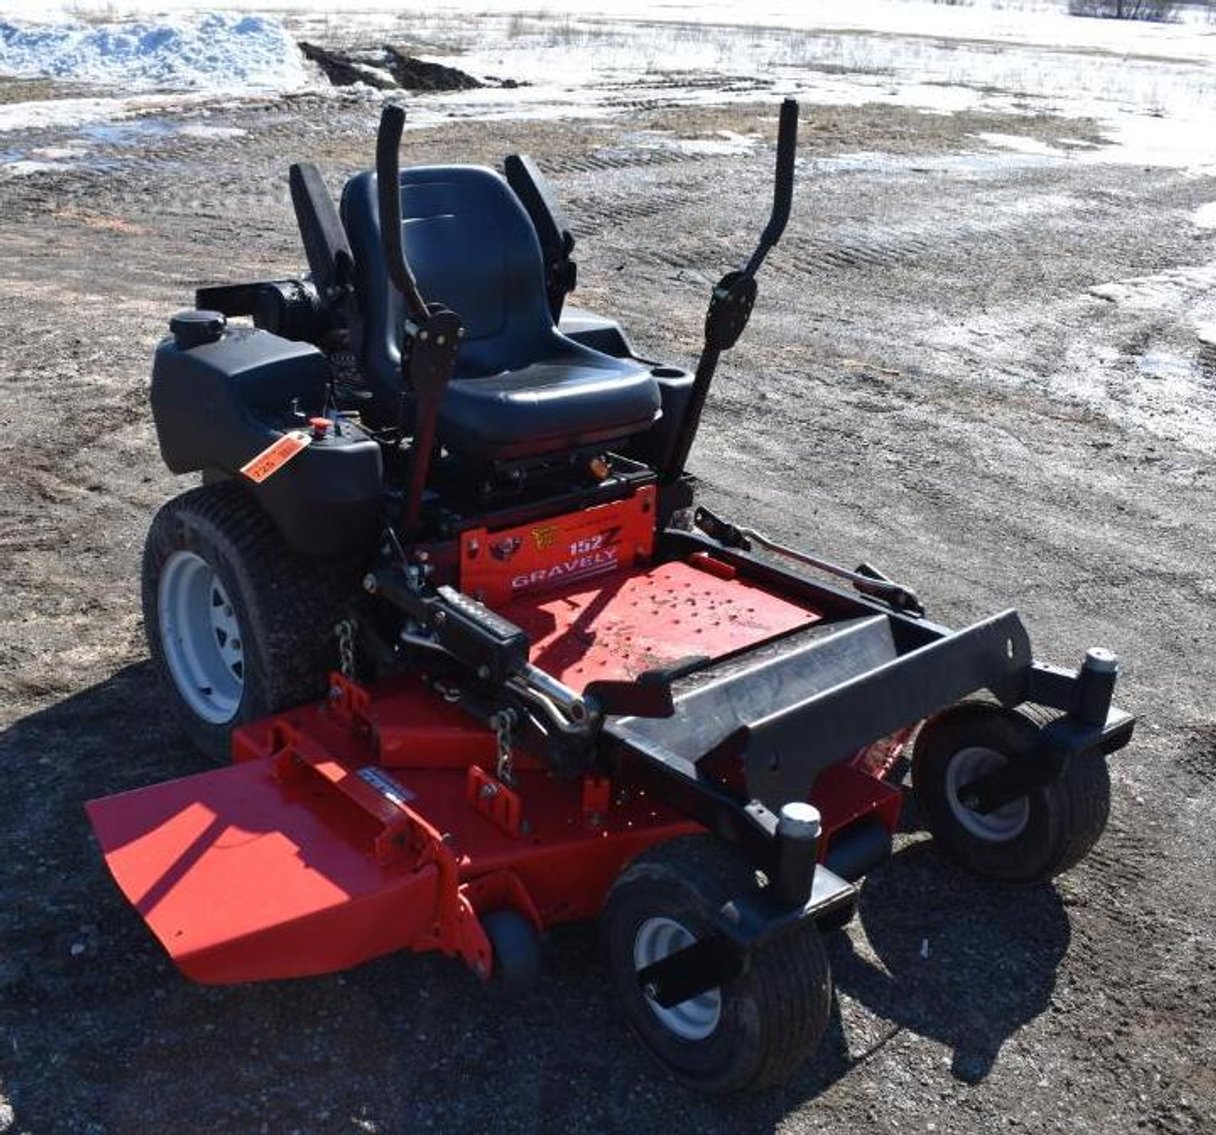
x,y
1007,822
201,638
694,1019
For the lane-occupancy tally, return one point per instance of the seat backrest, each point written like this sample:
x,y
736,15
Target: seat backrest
x,y
471,247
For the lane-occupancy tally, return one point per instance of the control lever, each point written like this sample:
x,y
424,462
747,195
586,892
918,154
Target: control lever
x,y
432,333
734,296
388,192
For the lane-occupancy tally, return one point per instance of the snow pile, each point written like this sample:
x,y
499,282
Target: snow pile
x,y
211,51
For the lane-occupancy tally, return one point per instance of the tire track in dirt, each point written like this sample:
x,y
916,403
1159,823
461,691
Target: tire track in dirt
x,y
879,246
682,85
625,159
593,216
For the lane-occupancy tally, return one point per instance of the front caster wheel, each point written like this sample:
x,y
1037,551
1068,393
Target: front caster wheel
x,y
1031,839
752,1031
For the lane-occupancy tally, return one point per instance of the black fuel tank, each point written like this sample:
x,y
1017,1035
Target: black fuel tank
x,y
221,395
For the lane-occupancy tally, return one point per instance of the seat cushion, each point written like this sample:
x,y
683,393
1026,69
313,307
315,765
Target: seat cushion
x,y
574,396
520,387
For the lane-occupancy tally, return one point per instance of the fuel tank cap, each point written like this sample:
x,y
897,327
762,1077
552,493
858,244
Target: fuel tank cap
x,y
194,328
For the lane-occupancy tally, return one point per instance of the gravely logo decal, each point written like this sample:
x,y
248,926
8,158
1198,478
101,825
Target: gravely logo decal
x,y
604,559
545,536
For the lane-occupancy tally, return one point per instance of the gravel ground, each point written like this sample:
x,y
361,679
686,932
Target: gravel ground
x,y
928,383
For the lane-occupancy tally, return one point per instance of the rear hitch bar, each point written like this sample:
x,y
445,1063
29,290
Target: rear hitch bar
x,y
865,578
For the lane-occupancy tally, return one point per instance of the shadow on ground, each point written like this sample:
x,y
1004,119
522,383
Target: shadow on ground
x,y
100,1034
963,962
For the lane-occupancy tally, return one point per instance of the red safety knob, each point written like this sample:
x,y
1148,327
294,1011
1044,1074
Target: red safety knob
x,y
320,426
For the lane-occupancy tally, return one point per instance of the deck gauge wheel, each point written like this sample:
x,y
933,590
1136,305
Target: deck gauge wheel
x,y
518,955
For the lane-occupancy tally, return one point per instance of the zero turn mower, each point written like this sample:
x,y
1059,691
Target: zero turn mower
x,y
483,666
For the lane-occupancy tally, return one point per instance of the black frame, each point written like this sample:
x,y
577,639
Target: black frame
x,y
935,668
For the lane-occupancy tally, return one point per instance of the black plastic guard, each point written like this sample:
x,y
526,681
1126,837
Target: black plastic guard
x,y
325,243
217,405
784,751
552,228
822,697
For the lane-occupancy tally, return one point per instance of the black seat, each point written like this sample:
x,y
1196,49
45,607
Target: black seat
x,y
521,388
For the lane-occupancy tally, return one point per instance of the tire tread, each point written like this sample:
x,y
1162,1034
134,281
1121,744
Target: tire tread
x,y
291,601
1077,803
791,974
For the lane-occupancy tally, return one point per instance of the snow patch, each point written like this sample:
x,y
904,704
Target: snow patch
x,y
1205,216
723,142
214,51
56,153
23,167
1162,291
1149,87
1165,366
727,143
1019,144
69,113
199,131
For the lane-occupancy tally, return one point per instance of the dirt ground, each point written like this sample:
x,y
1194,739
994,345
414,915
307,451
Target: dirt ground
x,y
928,383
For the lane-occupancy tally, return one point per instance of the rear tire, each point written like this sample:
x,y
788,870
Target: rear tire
x,y
749,1033
238,626
1032,839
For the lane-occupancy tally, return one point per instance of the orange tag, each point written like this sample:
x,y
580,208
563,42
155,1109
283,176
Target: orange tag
x,y
275,456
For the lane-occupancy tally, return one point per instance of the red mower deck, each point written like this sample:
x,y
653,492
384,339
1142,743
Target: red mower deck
x,y
370,822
